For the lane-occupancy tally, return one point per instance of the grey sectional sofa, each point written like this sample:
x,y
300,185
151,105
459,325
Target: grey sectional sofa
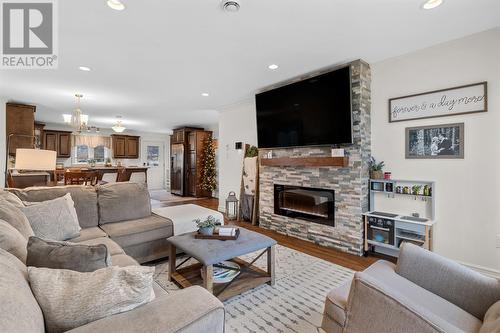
x,y
423,293
118,216
118,212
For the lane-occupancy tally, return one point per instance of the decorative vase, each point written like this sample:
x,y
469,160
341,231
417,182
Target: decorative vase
x,y
207,231
379,174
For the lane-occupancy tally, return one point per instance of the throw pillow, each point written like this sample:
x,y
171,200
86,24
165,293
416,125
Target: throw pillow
x,y
11,197
53,219
16,218
12,241
71,299
491,323
68,199
123,201
66,255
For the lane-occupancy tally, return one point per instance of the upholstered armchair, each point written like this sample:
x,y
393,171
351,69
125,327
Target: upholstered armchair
x,y
423,293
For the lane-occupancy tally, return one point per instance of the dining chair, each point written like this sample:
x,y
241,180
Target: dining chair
x,y
138,177
80,178
109,177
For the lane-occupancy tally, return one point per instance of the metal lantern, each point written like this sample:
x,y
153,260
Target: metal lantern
x,y
232,206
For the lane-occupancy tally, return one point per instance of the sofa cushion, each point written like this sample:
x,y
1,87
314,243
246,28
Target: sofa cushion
x,y
138,231
85,198
53,219
149,251
336,303
18,307
11,197
491,323
113,248
123,260
12,241
191,310
71,299
16,218
88,233
65,255
123,201
464,287
384,273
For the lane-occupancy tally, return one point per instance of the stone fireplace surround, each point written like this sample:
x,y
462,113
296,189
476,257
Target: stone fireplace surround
x,y
349,183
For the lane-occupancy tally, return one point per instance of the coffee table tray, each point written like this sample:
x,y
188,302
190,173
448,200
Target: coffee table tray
x,y
217,236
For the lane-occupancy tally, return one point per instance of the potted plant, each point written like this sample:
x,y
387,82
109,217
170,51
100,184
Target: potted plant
x,y
376,169
92,162
108,162
415,189
207,226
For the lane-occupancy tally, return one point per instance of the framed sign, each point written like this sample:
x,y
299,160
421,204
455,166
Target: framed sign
x,y
440,103
433,142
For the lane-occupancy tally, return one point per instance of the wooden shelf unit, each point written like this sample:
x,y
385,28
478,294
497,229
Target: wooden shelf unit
x,y
306,161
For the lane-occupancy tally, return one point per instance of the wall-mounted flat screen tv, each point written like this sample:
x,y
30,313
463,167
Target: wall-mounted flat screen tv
x,y
312,112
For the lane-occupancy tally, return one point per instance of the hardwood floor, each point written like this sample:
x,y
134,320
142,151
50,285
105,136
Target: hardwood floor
x,y
334,256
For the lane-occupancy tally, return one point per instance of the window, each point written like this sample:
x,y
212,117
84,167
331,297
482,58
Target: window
x,y
84,153
99,154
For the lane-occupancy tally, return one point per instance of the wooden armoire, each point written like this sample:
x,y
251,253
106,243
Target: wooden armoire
x,y
186,161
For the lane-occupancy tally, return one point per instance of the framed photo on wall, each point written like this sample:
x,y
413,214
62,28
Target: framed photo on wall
x,y
435,142
470,98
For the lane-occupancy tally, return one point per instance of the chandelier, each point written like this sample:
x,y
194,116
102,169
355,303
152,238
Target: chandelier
x,y
118,128
78,120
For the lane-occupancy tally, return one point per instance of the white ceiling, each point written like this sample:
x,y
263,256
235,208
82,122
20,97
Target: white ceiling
x,y
151,62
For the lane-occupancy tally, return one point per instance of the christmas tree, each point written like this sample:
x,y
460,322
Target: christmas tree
x,y
208,172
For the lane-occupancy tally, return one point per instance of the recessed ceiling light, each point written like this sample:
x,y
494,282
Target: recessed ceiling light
x,y
431,4
116,4
84,68
273,67
230,6
205,94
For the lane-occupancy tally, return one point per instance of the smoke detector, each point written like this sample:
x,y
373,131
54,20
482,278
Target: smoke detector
x,y
230,6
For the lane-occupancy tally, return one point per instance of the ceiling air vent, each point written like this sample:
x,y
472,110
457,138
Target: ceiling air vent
x,y
230,6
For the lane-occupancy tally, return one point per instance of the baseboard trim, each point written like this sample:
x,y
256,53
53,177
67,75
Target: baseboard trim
x,y
483,270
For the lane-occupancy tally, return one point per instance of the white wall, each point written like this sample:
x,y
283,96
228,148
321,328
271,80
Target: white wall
x,y
3,142
236,123
468,190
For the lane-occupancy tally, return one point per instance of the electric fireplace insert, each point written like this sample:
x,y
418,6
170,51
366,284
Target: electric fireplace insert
x,y
306,203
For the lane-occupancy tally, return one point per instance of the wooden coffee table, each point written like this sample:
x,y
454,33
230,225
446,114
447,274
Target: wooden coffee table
x,y
210,253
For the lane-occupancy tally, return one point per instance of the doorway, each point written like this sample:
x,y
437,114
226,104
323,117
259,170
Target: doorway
x,y
153,153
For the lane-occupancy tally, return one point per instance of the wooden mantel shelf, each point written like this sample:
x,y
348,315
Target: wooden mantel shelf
x,y
305,161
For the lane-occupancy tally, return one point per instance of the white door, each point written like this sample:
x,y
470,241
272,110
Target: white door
x,y
153,155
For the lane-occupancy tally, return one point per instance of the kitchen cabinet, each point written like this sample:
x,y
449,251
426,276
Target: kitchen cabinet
x,y
20,126
59,141
125,146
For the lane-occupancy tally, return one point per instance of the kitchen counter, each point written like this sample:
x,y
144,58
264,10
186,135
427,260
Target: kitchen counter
x,y
124,172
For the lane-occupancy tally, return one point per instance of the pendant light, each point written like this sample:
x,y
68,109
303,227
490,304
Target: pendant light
x,y
118,128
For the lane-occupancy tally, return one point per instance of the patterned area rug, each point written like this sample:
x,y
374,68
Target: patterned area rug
x,y
294,304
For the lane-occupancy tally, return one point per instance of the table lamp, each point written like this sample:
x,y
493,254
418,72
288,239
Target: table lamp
x,y
35,159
